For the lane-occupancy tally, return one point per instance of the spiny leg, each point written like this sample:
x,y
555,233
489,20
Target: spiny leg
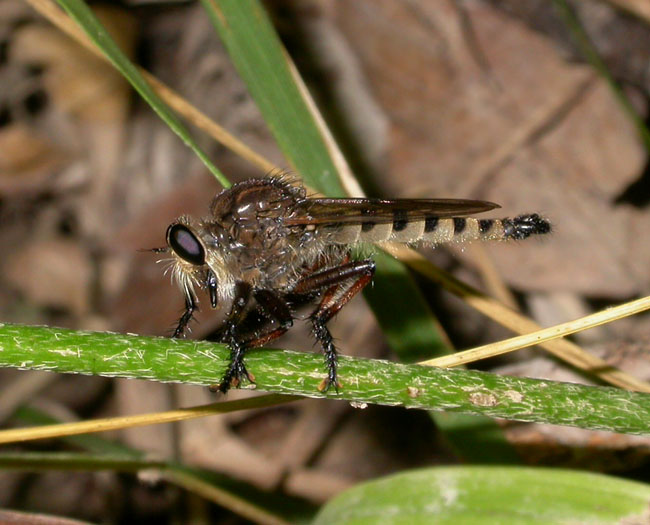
x,y
328,308
236,370
190,307
191,303
276,308
332,280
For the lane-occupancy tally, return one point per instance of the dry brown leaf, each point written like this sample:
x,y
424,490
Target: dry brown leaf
x,y
498,113
77,81
209,443
53,273
26,158
638,7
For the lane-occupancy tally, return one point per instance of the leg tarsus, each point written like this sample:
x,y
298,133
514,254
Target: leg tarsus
x,y
322,333
191,306
236,369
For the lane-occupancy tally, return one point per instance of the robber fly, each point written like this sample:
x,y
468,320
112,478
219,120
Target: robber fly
x,y
267,248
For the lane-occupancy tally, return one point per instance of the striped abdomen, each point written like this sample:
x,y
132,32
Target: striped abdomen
x,y
436,230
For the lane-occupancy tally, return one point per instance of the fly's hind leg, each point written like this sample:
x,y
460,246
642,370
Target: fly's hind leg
x,y
356,275
277,309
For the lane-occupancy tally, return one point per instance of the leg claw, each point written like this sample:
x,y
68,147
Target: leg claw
x,y
327,383
233,377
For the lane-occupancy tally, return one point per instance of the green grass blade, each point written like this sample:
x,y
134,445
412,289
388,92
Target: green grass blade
x,y
397,302
488,495
38,461
260,59
82,14
405,318
365,380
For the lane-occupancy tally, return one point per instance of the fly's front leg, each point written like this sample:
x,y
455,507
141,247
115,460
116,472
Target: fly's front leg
x,y
357,275
236,370
191,306
211,286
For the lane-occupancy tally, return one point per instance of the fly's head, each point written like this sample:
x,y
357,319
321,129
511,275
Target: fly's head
x,y
195,260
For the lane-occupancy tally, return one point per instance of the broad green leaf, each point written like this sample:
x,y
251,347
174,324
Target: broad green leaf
x,y
490,495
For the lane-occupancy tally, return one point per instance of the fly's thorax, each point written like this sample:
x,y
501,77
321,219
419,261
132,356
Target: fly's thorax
x,y
248,219
253,200
252,241
258,253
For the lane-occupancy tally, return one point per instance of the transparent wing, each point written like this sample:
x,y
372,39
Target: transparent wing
x,y
381,211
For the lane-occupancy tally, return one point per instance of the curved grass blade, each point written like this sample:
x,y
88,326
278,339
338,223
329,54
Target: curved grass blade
x,y
261,61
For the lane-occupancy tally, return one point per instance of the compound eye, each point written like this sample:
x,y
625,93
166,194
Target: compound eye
x,y
184,243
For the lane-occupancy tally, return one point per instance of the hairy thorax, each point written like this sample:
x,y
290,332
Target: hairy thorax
x,y
254,242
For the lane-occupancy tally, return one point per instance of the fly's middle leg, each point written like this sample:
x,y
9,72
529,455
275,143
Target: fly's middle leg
x,y
277,310
236,369
239,336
